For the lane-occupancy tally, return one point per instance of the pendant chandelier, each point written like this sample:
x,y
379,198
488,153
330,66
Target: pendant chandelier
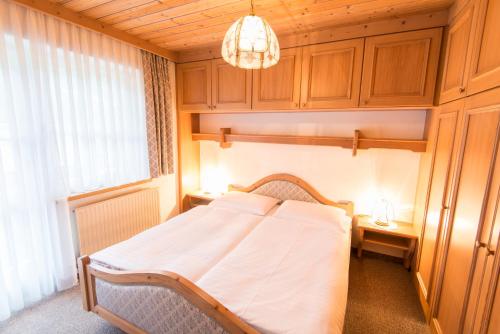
x,y
250,43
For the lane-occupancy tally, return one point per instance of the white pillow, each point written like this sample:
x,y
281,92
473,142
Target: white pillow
x,y
312,212
246,202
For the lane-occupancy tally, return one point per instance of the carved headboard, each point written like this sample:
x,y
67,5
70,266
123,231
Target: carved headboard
x,y
286,186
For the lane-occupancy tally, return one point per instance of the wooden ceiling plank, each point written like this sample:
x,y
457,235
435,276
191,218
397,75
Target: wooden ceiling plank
x,y
114,7
162,11
79,5
66,14
196,19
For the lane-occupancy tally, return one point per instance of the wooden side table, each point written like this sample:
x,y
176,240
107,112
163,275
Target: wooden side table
x,y
200,198
403,237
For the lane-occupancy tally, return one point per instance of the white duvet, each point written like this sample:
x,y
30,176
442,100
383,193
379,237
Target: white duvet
x,y
188,244
287,276
280,276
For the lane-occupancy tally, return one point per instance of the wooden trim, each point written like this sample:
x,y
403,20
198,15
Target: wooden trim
x,y
346,205
124,325
66,14
344,142
83,262
182,286
338,33
107,190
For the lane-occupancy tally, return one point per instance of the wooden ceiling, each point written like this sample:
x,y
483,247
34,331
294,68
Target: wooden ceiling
x,y
186,24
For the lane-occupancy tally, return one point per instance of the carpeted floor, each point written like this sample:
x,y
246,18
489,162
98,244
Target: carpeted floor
x,y
382,299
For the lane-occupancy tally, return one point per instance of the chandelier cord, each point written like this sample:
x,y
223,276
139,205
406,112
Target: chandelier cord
x,y
251,8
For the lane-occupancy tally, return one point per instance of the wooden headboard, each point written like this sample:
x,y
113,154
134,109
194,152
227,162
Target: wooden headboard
x,y
286,186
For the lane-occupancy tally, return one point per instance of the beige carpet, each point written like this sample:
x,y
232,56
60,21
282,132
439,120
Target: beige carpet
x,y
382,299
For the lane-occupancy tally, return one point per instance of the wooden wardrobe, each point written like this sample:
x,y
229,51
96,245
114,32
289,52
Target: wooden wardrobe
x,y
459,261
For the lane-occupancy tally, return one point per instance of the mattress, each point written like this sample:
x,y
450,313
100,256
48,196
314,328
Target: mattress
x,y
287,276
188,244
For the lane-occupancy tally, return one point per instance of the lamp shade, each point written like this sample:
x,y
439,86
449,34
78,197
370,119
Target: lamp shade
x,y
250,43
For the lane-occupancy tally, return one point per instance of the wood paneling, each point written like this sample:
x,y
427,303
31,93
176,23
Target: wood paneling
x,y
400,69
194,86
278,87
454,80
186,24
485,66
438,201
337,33
480,139
331,74
231,87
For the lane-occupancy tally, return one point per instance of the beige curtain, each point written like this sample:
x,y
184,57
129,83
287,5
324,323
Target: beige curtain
x,y
159,114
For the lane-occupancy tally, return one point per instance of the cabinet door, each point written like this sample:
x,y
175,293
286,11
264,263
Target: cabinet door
x,y
438,200
455,73
492,320
485,275
331,74
231,87
473,176
278,87
400,69
485,66
194,86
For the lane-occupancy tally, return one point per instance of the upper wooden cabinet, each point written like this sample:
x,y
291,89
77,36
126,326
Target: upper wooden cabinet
x,y
194,86
231,87
455,72
400,69
331,74
278,87
485,64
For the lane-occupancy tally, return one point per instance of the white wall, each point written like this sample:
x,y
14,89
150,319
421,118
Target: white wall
x,y
333,171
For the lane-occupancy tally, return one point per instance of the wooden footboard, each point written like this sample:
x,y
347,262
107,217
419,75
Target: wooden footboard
x,y
190,308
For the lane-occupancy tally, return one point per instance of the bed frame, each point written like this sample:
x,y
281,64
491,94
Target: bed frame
x,y
124,298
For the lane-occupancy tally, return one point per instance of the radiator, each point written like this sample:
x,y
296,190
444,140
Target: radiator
x,y
105,223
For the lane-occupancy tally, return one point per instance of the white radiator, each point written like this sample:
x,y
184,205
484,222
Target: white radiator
x,y
113,220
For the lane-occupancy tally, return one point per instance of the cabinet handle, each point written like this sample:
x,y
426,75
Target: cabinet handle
x,y
461,89
214,107
480,244
296,105
490,252
304,105
209,107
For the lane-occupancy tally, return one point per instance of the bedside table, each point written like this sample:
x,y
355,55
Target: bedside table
x,y
403,237
200,198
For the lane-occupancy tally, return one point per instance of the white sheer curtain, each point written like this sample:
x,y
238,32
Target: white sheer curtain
x,y
72,119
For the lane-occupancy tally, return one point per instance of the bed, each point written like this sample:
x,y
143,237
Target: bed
x,y
221,270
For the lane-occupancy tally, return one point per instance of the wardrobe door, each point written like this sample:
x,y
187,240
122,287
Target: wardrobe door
x,y
485,66
492,321
331,74
231,87
278,87
194,86
437,202
400,69
471,188
456,55
485,275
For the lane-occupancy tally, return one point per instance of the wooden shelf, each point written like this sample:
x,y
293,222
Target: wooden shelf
x,y
386,240
356,142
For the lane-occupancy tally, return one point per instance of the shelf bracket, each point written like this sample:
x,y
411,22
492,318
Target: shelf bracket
x,y
355,142
222,140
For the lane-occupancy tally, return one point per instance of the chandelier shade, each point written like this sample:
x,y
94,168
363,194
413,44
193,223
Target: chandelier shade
x,y
250,43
